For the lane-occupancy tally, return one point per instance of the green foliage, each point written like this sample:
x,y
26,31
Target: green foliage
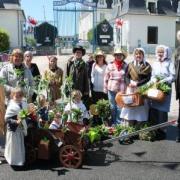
x,y
90,35
103,109
119,128
76,115
19,72
45,139
51,115
142,90
147,135
30,41
4,41
23,114
2,81
164,87
66,88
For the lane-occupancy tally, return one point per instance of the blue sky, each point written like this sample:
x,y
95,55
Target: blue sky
x,y
35,9
42,10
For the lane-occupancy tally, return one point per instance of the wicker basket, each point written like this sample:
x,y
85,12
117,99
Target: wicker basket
x,y
156,94
129,100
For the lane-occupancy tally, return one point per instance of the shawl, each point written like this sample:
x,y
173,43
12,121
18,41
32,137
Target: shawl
x,y
135,72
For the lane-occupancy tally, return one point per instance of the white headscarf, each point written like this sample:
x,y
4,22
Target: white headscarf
x,y
143,51
167,52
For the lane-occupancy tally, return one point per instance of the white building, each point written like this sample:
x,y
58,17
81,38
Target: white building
x,y
103,12
12,19
146,23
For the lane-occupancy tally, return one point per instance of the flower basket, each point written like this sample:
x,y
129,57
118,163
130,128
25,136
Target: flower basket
x,y
156,94
43,150
129,100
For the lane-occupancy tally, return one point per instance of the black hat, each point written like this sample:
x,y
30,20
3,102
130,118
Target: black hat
x,y
79,48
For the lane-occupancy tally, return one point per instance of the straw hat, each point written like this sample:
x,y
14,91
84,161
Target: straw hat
x,y
99,52
120,51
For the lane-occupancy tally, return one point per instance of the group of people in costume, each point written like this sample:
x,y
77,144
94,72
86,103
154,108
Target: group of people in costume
x,y
96,79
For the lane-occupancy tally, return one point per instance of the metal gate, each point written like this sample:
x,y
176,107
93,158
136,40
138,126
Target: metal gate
x,y
67,17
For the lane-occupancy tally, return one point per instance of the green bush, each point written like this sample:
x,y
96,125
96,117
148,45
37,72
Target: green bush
x,y
90,35
30,41
4,41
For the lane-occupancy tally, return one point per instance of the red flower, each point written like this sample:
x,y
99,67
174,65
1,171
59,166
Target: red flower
x,y
119,23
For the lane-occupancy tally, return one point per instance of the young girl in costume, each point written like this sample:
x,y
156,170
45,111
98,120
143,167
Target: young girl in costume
x,y
16,129
77,103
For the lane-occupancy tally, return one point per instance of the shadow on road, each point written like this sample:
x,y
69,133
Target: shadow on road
x,y
165,164
101,156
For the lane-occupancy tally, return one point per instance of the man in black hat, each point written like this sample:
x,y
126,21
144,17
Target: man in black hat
x,y
77,68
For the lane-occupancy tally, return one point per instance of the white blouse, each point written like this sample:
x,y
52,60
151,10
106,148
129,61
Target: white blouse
x,y
80,106
97,77
164,69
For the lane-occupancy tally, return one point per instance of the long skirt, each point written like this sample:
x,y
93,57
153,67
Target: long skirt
x,y
14,148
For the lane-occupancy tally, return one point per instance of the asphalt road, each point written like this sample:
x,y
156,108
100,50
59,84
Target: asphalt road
x,y
159,160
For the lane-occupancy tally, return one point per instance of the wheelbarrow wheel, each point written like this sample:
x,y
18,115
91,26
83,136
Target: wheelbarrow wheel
x,y
31,155
70,156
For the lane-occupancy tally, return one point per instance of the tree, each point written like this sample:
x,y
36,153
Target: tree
x,y
4,41
30,41
90,35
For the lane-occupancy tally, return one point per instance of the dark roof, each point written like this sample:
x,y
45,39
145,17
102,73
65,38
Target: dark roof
x,y
11,1
164,7
1,4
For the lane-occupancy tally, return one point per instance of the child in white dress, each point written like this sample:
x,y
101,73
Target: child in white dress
x,y
16,129
77,103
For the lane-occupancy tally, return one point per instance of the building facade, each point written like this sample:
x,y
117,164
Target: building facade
x,y
102,12
12,20
146,23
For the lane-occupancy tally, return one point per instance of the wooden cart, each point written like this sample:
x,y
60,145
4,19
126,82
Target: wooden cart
x,y
42,144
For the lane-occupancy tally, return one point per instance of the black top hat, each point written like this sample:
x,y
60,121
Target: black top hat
x,y
79,48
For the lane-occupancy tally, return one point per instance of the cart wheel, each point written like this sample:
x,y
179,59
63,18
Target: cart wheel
x,y
30,154
70,156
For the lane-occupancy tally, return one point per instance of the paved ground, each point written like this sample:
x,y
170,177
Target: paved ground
x,y
141,160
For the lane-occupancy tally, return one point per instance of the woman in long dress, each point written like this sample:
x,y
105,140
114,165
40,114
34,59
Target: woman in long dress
x,y
164,69
55,77
138,74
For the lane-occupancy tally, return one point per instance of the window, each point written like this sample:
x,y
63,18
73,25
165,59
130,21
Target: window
x,y
152,36
152,7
